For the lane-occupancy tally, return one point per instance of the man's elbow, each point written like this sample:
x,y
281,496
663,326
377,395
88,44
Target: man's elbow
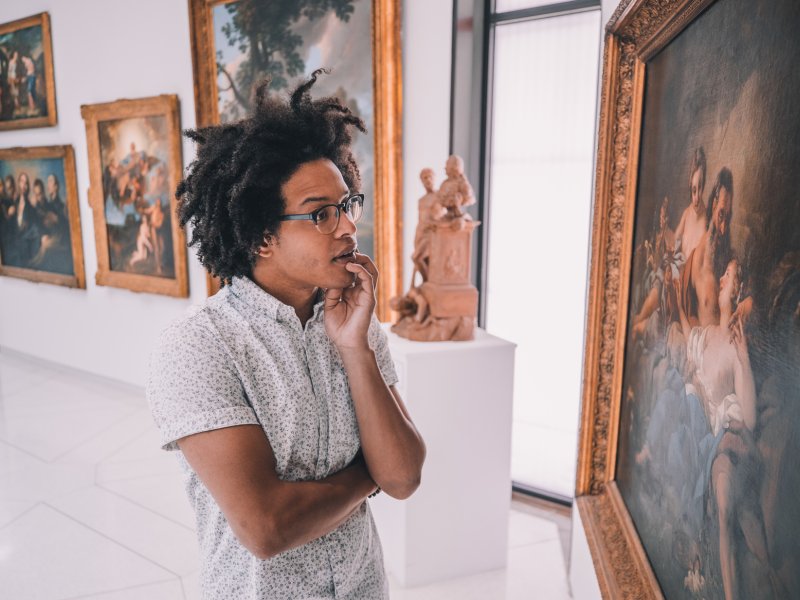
x,y
264,541
401,489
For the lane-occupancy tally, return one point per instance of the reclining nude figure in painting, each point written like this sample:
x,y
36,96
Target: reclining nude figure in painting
x,y
718,418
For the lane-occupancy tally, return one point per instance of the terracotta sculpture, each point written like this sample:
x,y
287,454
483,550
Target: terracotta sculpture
x,y
443,306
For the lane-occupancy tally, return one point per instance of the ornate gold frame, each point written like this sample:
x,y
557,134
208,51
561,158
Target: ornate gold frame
x,y
167,106
42,19
67,154
388,95
637,30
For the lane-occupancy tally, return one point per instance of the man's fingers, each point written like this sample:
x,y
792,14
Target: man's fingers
x,y
332,297
366,262
363,275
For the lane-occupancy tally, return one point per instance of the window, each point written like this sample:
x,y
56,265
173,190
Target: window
x,y
535,203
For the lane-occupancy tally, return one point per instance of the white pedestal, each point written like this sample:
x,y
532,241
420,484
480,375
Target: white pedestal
x,y
459,395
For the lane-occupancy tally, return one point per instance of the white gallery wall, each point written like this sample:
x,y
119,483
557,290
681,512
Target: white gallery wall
x,y
102,50
109,49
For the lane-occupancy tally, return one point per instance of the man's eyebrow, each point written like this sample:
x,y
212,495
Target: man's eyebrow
x,y
312,199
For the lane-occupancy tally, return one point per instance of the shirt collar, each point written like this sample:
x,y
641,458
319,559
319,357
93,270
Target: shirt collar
x,y
248,291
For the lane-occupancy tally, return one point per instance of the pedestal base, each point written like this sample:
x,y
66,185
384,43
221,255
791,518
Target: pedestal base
x,y
456,524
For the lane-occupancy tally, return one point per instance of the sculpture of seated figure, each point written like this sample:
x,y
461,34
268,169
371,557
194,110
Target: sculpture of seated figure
x,y
444,305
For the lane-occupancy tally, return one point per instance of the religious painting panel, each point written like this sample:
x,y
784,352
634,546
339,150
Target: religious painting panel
x,y
27,90
135,164
40,226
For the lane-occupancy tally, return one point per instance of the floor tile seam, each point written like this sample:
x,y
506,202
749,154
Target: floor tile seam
x,y
116,448
36,363
118,400
130,587
128,461
22,514
90,438
524,544
183,589
109,538
131,478
141,434
147,508
24,451
37,381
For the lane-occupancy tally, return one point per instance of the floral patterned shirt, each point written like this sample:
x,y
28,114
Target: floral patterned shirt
x,y
244,358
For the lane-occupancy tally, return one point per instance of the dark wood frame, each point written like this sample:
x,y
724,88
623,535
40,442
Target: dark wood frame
x,y
636,32
387,94
67,154
42,19
166,106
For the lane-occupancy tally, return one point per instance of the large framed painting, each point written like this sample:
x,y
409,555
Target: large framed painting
x,y
40,223
134,166
237,43
27,88
687,481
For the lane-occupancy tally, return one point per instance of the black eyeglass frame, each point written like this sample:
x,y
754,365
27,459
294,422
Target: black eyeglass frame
x,y
342,207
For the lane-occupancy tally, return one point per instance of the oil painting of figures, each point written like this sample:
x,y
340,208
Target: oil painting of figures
x,y
710,413
134,155
27,95
40,226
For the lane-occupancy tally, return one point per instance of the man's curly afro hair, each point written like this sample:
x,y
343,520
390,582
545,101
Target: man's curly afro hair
x,y
232,190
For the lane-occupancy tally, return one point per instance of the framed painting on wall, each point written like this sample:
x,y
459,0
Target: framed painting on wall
x,y
134,166
687,481
40,223
27,88
238,43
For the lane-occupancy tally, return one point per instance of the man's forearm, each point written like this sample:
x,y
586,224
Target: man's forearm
x,y
393,449
301,511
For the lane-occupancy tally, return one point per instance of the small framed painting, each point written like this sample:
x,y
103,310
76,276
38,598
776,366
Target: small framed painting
x,y
40,225
134,166
27,88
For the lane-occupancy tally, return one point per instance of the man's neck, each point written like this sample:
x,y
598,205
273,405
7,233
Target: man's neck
x,y
300,299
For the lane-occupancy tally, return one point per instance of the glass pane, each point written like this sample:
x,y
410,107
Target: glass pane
x,y
543,124
502,6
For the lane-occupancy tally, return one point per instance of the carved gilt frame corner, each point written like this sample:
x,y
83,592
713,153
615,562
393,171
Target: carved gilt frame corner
x,y
388,111
637,30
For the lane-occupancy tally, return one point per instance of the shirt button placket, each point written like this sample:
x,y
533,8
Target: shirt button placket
x,y
321,405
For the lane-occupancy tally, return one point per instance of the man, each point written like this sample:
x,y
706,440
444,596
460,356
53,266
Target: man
x,y
53,195
29,225
430,210
279,392
707,262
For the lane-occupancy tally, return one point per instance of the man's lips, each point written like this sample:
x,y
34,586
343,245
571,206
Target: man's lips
x,y
346,257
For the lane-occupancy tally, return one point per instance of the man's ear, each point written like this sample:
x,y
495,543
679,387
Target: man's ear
x,y
265,249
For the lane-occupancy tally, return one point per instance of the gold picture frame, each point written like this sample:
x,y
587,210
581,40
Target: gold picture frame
x,y
63,174
45,83
164,112
387,95
632,102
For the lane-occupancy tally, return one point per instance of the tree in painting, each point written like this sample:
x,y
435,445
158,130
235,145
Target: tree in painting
x,y
262,33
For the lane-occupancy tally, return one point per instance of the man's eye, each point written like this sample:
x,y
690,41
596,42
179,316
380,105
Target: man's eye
x,y
322,215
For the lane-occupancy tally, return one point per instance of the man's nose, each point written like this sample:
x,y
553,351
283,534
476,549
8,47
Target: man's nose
x,y
346,225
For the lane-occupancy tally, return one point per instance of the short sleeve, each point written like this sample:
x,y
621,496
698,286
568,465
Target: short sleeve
x,y
192,383
379,342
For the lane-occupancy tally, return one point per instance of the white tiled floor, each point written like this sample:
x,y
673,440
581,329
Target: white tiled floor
x,y
90,507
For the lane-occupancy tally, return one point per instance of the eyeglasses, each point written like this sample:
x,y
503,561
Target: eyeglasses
x,y
326,218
